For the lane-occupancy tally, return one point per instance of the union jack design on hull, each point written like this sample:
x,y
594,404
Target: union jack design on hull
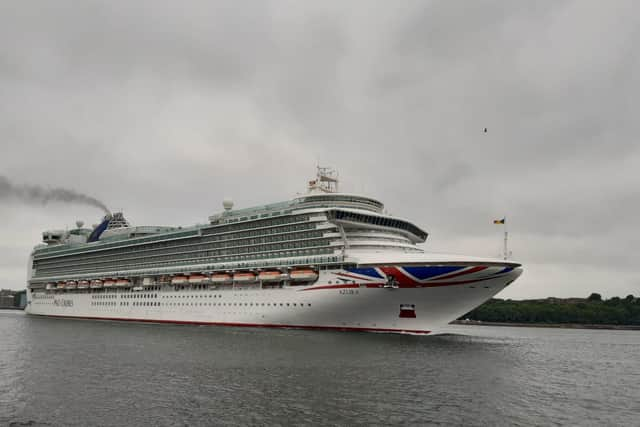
x,y
425,276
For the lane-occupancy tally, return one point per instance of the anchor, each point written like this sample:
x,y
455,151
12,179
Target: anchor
x,y
392,283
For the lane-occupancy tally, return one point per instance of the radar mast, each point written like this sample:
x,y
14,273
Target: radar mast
x,y
326,181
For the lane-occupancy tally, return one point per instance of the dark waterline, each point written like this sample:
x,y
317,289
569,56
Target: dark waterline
x,y
78,373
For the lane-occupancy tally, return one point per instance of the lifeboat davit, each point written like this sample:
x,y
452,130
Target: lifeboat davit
x,y
108,283
179,280
221,279
270,276
83,284
303,275
123,283
197,278
71,284
244,277
96,284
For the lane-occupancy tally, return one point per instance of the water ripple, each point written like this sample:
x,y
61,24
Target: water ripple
x,y
78,373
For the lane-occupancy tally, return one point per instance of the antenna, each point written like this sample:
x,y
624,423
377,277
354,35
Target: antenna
x,y
326,180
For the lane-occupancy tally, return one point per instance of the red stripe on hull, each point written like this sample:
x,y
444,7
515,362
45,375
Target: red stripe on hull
x,y
403,280
344,286
247,325
352,276
405,286
460,273
461,282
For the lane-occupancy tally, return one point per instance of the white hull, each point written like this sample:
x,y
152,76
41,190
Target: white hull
x,y
340,299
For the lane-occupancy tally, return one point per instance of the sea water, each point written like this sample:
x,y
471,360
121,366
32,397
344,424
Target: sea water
x,y
58,372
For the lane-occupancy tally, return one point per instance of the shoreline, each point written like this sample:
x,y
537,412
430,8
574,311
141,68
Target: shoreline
x,y
548,325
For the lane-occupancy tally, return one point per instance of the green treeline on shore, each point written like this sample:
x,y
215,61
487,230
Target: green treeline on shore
x,y
592,310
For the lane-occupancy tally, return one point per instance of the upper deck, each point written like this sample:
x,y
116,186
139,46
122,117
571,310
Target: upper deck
x,y
313,229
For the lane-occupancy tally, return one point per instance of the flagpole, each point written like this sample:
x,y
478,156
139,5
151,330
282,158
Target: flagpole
x,y
506,234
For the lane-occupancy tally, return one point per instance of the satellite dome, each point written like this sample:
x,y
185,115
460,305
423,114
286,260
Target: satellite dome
x,y
79,223
227,204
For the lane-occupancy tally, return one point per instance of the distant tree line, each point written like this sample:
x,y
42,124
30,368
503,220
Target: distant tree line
x,y
591,310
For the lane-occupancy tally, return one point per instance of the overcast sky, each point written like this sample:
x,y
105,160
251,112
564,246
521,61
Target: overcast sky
x,y
164,108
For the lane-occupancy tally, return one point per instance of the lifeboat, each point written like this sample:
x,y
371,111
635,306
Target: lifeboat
x,y
108,283
60,285
96,284
244,277
71,284
50,286
221,279
148,281
197,278
270,276
179,280
303,275
83,284
123,283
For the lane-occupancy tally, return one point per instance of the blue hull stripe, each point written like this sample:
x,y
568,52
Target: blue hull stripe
x,y
426,272
371,272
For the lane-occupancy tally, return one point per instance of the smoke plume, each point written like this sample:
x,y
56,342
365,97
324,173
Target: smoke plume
x,y
38,194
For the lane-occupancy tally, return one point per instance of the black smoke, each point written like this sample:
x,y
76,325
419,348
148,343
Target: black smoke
x,y
38,194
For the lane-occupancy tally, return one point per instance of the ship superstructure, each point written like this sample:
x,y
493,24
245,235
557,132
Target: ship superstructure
x,y
321,260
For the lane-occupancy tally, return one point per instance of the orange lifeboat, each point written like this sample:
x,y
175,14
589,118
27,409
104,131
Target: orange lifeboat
x,y
109,283
303,275
71,284
60,285
179,280
51,286
197,278
221,279
123,283
95,284
270,276
83,284
244,277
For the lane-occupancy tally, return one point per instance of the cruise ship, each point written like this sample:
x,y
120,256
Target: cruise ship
x,y
322,260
